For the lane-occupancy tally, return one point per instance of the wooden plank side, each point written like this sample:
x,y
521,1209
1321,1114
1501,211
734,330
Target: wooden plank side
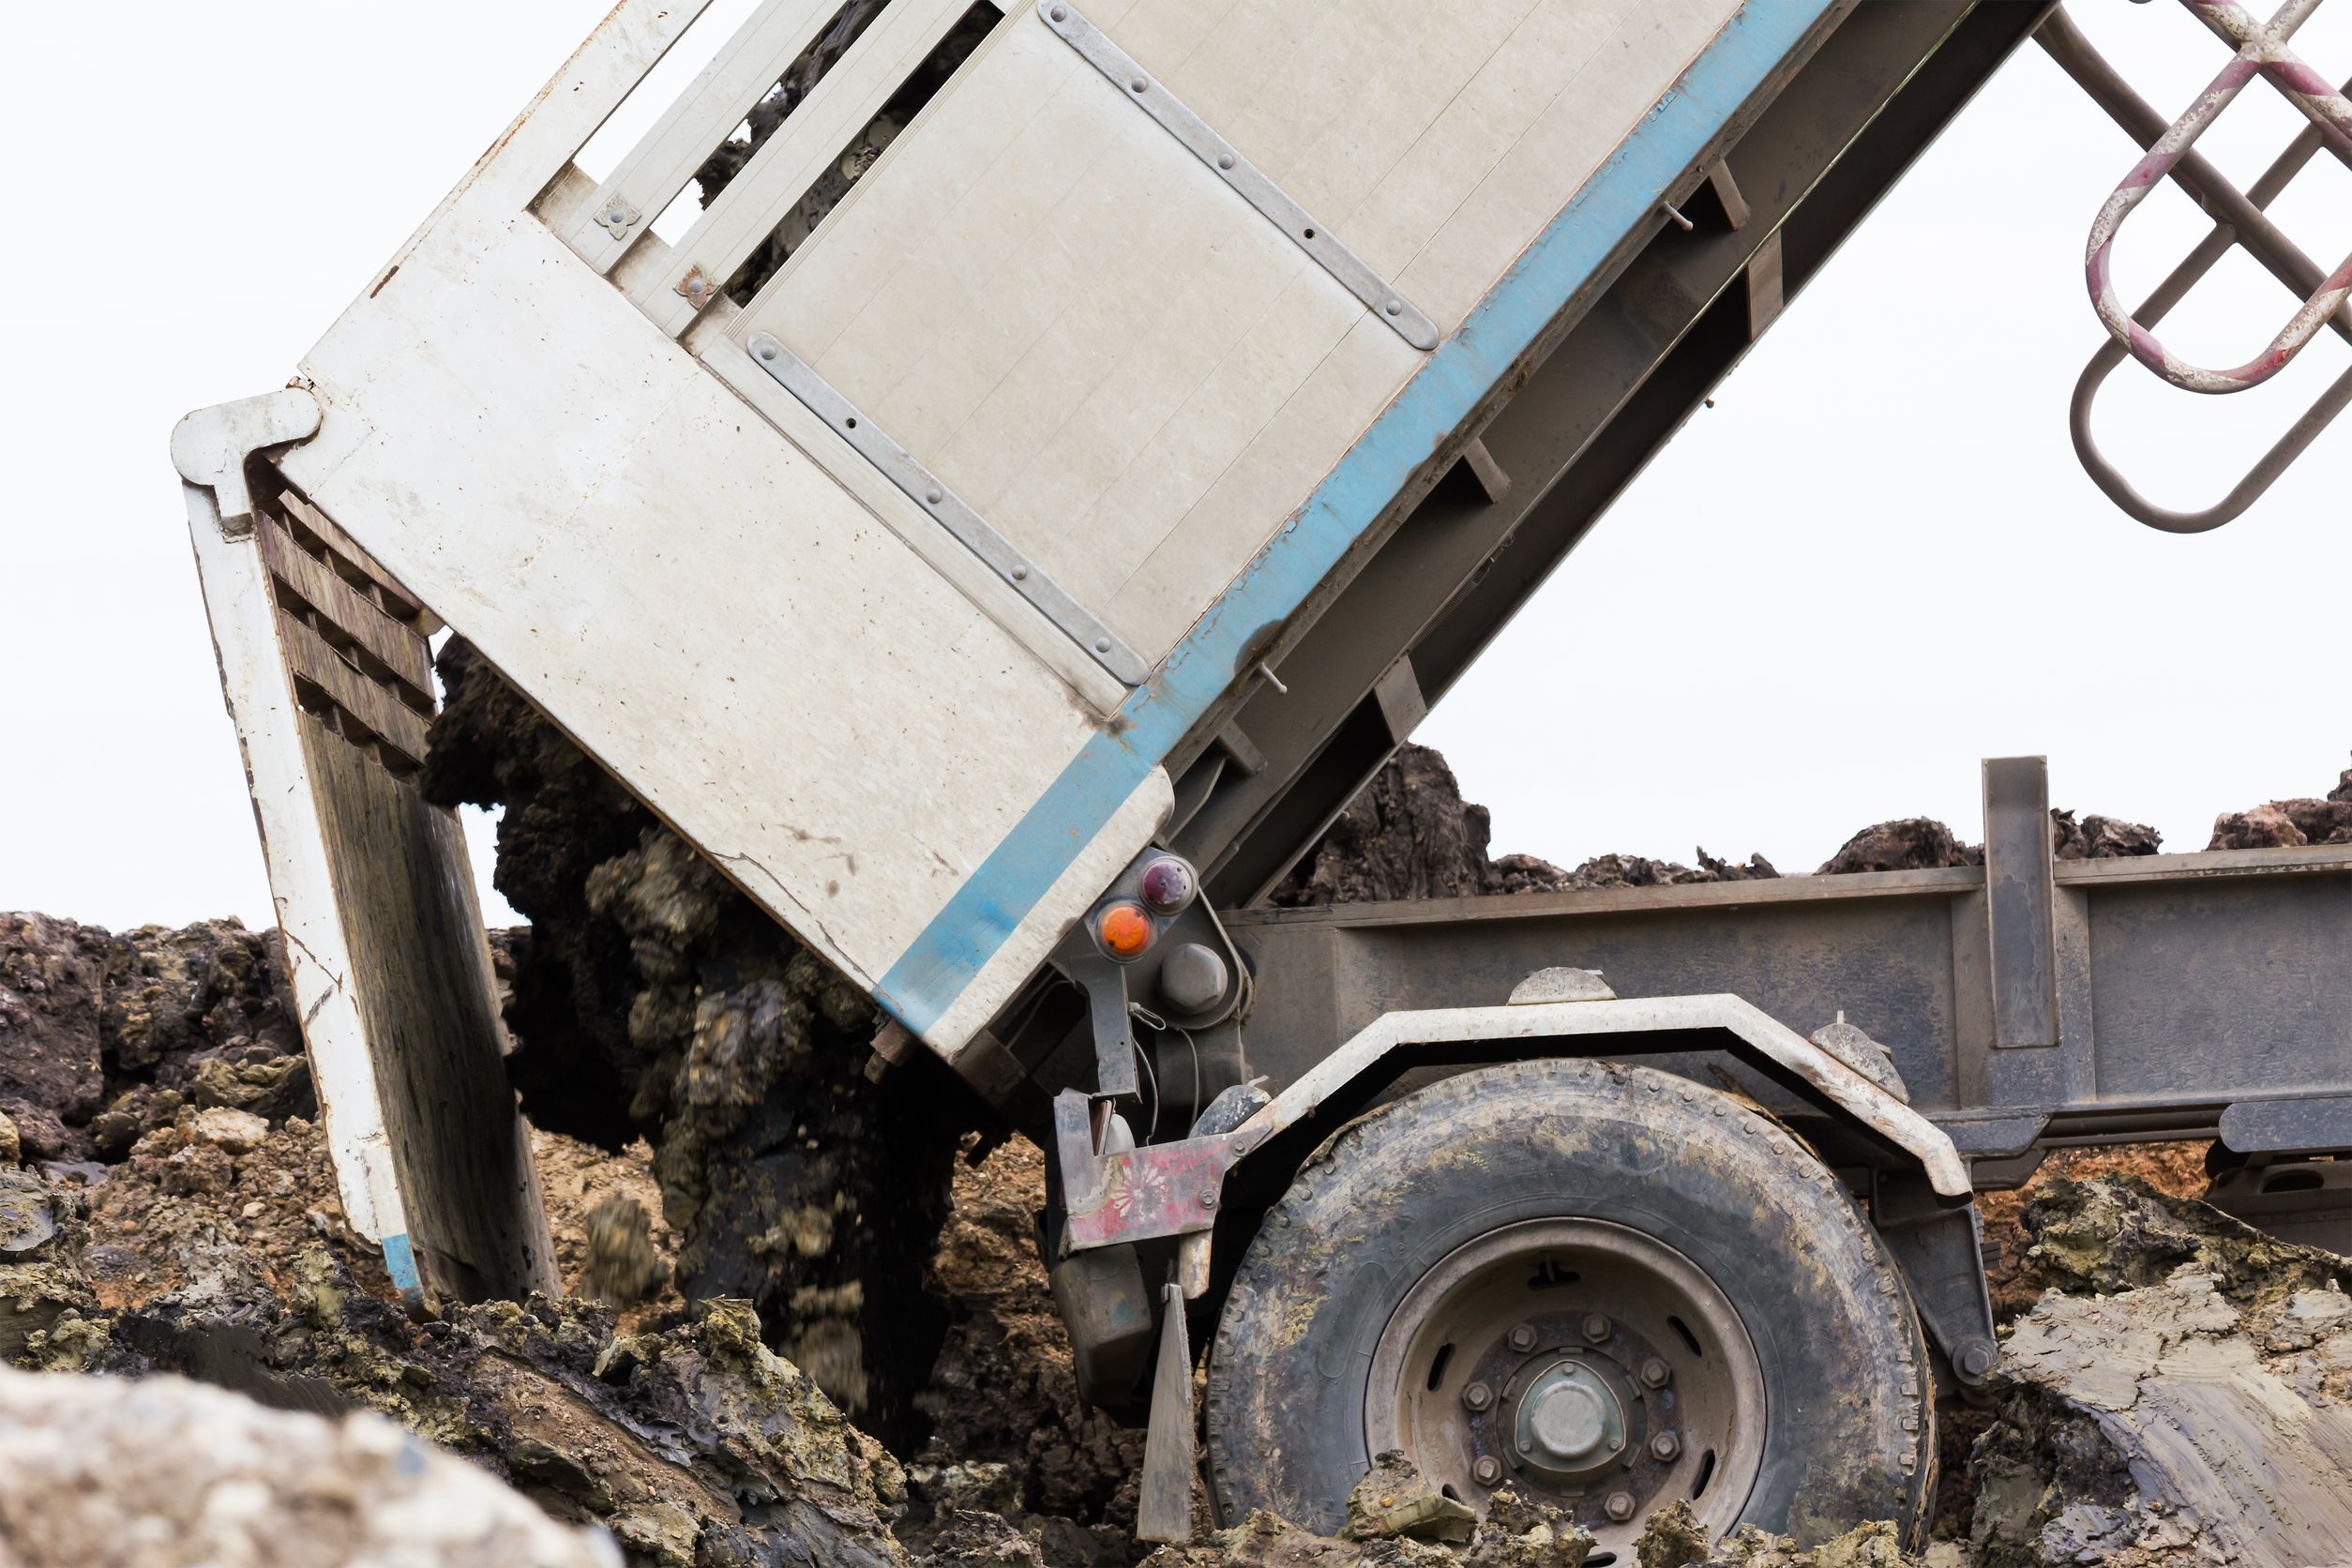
x,y
421,973
388,719
686,593
399,650
812,136
397,600
706,114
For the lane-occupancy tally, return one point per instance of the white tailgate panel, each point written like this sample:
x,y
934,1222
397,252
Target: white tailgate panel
x,y
682,589
1118,361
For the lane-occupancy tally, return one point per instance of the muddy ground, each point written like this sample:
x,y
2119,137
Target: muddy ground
x,y
816,1354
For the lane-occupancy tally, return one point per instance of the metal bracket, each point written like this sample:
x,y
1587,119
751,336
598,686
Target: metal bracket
x,y
210,446
928,492
1136,1194
1380,296
1939,1245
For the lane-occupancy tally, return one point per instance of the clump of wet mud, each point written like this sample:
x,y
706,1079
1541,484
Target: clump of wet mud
x,y
652,999
2178,1394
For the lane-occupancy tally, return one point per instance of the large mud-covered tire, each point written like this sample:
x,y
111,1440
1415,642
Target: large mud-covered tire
x,y
1657,1166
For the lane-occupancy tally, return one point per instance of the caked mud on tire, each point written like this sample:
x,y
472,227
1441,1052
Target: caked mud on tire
x,y
1656,1258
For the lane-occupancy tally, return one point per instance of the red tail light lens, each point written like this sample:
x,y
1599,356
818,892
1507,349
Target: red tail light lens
x,y
1168,885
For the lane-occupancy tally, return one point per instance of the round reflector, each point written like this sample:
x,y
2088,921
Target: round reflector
x,y
1124,930
1168,885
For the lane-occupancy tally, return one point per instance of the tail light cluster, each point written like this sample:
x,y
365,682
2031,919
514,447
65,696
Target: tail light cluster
x,y
1124,928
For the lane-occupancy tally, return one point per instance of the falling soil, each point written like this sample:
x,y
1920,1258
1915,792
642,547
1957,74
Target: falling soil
x,y
652,1000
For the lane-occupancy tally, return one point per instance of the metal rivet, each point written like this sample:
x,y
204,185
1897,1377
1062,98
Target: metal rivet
x,y
1208,1195
1139,84
1225,160
1102,644
767,351
931,496
1477,1396
1596,1327
1655,1372
696,285
1523,1337
1488,1470
1619,1506
1395,307
1666,1448
1020,574
1060,14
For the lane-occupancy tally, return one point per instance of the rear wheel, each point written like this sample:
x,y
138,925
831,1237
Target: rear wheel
x,y
1607,1285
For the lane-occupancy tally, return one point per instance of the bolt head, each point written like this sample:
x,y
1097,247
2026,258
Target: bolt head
x,y
1523,1337
1488,1470
1477,1396
1619,1506
1596,1327
1656,1372
1208,1198
1665,1447
1978,1359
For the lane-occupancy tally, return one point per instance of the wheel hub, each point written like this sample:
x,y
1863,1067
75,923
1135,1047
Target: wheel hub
x,y
1570,1421
1587,1363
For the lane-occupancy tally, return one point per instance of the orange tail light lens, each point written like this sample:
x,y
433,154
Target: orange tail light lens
x,y
1124,930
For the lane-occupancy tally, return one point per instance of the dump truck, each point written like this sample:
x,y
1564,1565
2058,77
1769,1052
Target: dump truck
x,y
1003,526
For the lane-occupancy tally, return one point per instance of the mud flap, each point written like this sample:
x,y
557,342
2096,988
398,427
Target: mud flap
x,y
1164,1508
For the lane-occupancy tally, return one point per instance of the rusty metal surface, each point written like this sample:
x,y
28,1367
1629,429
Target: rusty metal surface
x,y
1133,1194
2262,50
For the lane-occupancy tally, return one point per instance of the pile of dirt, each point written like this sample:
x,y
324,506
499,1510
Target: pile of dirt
x,y
653,1001
2286,824
105,1036
1011,1438
1409,834
2179,1395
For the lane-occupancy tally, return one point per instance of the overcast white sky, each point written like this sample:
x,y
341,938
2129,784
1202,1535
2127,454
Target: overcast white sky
x,y
1873,563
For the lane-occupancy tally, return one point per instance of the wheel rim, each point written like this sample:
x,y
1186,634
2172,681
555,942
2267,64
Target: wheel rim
x,y
1591,1365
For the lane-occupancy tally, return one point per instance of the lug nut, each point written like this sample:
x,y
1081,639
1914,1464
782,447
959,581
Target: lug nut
x,y
1523,1337
1655,1372
1666,1448
1478,1396
1488,1470
1619,1506
1596,1327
